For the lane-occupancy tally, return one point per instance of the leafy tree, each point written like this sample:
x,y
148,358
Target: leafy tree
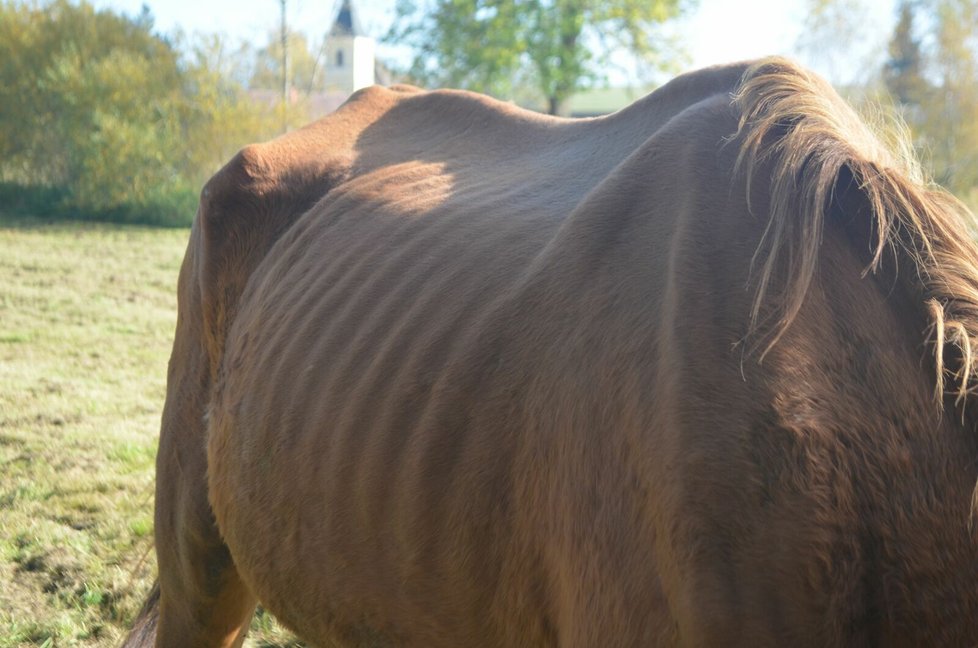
x,y
932,77
306,67
555,46
950,129
219,114
116,119
92,92
903,72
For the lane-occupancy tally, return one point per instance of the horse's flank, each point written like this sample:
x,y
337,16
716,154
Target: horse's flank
x,y
478,377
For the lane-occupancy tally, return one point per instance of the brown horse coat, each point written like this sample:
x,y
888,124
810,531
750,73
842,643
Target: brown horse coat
x,y
449,373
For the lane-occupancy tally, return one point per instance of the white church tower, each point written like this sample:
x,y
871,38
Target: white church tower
x,y
349,54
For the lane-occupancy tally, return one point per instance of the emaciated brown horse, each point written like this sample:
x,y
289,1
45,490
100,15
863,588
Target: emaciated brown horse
x,y
450,373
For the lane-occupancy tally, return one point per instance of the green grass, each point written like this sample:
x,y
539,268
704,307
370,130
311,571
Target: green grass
x,y
86,322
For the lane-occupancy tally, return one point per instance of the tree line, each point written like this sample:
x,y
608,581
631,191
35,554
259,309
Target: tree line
x,y
551,49
102,116
535,49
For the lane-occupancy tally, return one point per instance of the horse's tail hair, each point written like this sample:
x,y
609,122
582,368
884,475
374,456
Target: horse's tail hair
x,y
143,633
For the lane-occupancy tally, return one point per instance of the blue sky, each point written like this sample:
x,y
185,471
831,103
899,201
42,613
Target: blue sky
x,y
718,31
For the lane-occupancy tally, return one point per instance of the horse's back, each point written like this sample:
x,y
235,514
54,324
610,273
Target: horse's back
x,y
416,412
499,379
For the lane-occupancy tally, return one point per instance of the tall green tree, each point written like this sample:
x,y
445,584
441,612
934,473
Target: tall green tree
x,y
932,78
116,118
556,47
88,101
950,129
930,75
903,72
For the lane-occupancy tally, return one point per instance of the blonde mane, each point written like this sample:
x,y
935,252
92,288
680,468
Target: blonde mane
x,y
795,125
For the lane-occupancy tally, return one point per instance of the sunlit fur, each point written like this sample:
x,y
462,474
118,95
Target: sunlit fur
x,y
451,373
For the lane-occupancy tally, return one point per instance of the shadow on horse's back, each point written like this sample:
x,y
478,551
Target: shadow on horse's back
x,y
450,373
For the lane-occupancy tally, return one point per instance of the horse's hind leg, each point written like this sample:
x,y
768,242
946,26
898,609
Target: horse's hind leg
x,y
203,601
199,600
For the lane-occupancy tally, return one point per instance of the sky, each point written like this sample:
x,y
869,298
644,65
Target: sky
x,y
719,31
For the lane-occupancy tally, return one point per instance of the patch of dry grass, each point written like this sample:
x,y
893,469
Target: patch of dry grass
x,y
86,322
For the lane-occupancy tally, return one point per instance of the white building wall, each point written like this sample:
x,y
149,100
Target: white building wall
x,y
349,63
363,62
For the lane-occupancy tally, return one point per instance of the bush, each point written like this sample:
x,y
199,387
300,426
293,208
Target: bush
x,y
163,208
103,119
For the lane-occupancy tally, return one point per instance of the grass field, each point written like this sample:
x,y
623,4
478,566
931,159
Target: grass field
x,y
86,323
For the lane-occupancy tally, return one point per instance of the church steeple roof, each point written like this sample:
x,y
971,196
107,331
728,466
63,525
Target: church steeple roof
x,y
347,22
